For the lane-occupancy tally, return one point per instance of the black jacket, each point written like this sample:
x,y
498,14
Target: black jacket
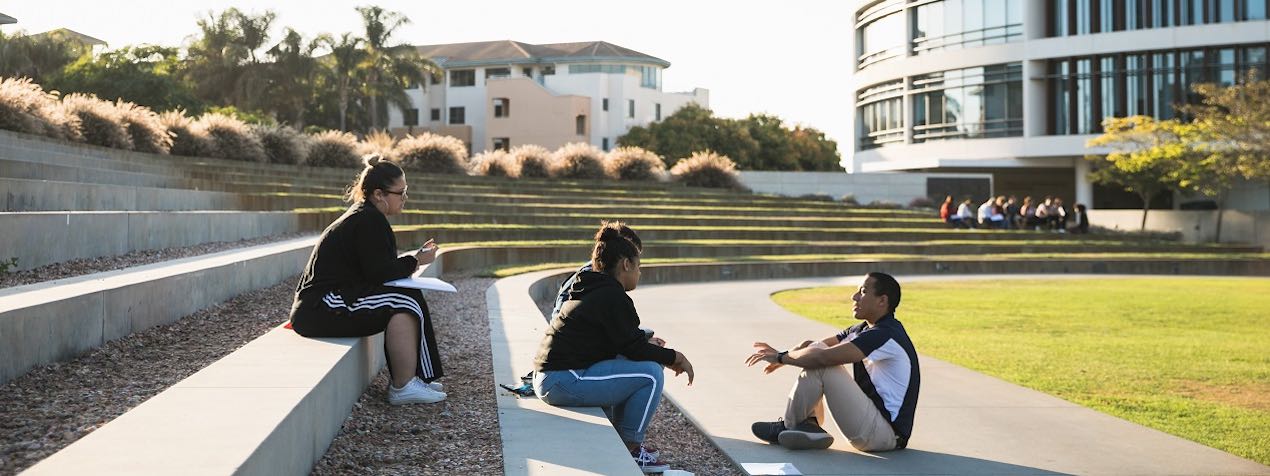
x,y
598,322
354,256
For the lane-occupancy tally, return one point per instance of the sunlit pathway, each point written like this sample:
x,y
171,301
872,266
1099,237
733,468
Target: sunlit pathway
x,y
967,422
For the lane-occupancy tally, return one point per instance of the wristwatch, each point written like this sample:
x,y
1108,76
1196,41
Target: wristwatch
x,y
780,356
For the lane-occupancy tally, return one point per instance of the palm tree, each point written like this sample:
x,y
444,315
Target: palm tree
x,y
344,69
293,74
390,69
215,58
253,33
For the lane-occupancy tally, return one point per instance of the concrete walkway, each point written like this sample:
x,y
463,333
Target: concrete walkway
x,y
967,423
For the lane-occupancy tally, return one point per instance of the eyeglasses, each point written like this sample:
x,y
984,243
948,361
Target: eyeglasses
x,y
402,192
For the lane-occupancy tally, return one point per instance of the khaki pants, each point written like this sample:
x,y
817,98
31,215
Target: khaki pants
x,y
855,414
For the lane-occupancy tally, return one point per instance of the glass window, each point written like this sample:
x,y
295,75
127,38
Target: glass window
x,y
502,107
1256,10
502,143
657,113
462,78
930,19
1225,11
604,104
882,39
436,114
630,108
952,21
1226,66
549,70
410,117
457,115
580,124
972,21
994,17
497,72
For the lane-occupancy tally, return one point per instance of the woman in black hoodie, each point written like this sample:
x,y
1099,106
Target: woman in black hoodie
x,y
595,354
342,292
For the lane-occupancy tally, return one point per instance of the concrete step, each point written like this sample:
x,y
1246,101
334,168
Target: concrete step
x,y
408,236
56,320
22,195
53,237
463,259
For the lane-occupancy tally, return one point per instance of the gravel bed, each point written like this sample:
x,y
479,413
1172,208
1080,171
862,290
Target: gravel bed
x,y
80,267
51,407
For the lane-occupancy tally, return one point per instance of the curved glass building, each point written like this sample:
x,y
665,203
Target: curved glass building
x,y
1015,88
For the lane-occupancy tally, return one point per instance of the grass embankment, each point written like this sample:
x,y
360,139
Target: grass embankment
x,y
1188,356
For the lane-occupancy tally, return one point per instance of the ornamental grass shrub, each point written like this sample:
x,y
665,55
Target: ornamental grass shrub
x,y
578,160
531,161
100,122
231,138
187,138
493,163
333,149
378,142
635,163
707,169
432,154
147,132
26,107
282,144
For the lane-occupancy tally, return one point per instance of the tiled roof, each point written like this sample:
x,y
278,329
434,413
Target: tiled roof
x,y
515,52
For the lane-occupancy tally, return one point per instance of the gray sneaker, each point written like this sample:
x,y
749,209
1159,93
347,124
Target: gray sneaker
x,y
808,435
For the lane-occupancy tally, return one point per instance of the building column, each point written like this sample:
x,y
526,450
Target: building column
x,y
1084,188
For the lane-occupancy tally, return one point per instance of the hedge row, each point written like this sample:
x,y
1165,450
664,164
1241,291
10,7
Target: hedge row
x,y
26,107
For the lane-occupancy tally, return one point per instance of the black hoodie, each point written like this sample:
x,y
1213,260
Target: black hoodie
x,y
598,322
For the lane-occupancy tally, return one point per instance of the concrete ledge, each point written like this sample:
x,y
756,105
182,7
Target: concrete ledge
x,y
47,322
21,195
52,237
539,439
269,408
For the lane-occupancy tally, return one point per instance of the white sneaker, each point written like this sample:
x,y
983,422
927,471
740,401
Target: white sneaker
x,y
436,386
414,391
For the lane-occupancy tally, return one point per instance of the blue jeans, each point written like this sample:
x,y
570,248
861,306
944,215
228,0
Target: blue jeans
x,y
628,390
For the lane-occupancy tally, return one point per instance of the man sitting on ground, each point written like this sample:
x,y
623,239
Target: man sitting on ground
x,y
874,408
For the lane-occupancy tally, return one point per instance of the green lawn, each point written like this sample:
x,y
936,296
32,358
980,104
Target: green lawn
x,y
1188,356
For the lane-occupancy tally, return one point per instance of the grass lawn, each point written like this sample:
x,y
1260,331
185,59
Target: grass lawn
x,y
1187,356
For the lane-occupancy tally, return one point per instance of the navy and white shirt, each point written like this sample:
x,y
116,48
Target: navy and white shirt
x,y
889,374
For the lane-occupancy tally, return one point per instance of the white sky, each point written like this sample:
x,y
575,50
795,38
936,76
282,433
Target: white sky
x,y
787,58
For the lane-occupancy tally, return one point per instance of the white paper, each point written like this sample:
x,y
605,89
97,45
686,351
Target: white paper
x,y
428,284
770,468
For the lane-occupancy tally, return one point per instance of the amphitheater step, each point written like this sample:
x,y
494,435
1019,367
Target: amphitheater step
x,y
51,321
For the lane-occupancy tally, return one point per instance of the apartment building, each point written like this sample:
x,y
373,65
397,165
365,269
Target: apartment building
x,y
501,94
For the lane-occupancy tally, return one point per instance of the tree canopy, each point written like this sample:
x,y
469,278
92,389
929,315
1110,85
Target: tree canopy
x,y
758,142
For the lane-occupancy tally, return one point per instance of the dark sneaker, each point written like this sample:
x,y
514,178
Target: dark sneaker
x,y
768,431
647,461
808,435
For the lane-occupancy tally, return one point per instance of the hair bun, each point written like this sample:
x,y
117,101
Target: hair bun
x,y
372,160
606,234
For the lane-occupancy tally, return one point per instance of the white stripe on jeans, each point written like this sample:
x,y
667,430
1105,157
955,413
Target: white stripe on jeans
x,y
648,406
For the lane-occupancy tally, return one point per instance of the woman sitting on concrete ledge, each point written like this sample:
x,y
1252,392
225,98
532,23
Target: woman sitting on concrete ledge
x,y
595,354
341,293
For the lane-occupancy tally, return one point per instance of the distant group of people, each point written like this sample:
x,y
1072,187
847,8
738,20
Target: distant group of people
x,y
1004,213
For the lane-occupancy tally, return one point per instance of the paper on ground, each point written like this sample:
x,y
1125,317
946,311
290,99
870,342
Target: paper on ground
x,y
429,284
770,468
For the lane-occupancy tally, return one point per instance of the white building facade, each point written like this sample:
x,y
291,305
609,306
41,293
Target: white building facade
x,y
501,94
1015,88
